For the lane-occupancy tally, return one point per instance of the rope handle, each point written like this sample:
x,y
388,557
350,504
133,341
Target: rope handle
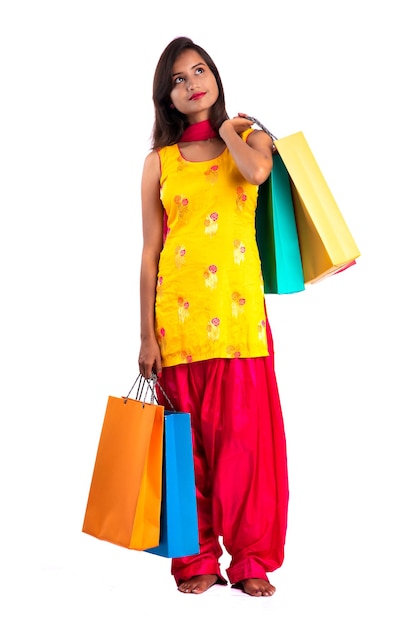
x,y
151,383
254,120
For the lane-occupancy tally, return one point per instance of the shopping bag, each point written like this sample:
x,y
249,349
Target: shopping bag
x,y
124,502
276,233
326,243
178,527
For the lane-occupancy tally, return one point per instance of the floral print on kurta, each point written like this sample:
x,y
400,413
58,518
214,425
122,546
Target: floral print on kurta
x,y
211,223
209,292
211,280
239,251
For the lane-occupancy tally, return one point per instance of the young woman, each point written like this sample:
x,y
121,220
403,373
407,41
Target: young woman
x,y
204,327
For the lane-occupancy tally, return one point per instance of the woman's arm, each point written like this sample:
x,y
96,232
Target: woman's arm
x,y
254,157
149,359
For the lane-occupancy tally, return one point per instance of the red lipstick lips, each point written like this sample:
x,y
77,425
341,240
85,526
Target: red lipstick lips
x,y
197,96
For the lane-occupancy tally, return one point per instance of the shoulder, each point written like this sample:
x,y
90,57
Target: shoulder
x,y
152,158
257,138
152,167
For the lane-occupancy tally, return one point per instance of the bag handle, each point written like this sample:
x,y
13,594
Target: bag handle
x,y
152,383
254,120
140,395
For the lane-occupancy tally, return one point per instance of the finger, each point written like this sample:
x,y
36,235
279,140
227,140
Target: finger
x,y
157,369
144,369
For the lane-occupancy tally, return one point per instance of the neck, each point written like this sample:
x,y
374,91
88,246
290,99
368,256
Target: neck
x,y
200,131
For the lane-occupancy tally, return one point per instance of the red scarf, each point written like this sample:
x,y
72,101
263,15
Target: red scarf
x,y
199,132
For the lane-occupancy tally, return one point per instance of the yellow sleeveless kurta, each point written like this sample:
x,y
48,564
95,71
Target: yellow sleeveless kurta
x,y
210,293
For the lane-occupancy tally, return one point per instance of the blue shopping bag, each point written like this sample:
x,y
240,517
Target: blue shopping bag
x,y
178,529
277,235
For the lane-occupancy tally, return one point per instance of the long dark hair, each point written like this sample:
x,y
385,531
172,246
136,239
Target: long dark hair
x,y
169,123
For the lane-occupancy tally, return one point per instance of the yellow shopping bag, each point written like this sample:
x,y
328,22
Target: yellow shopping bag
x,y
326,243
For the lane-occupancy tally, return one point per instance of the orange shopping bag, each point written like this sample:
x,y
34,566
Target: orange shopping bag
x,y
124,502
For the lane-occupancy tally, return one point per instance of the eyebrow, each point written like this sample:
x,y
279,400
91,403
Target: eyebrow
x,y
193,67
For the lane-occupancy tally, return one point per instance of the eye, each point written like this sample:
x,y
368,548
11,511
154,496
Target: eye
x,y
178,80
199,70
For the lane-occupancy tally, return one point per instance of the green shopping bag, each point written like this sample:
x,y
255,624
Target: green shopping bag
x,y
277,235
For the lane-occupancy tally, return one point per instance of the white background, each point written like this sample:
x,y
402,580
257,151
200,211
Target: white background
x,y
76,116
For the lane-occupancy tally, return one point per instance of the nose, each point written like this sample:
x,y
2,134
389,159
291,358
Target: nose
x,y
191,84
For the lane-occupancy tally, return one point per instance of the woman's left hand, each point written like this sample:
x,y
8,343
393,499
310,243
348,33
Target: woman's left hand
x,y
239,123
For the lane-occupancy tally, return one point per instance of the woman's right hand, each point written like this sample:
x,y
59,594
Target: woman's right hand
x,y
149,359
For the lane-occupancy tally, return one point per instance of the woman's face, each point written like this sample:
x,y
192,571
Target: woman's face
x,y
195,89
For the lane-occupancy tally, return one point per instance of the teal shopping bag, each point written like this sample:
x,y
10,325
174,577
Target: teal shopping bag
x,y
178,528
277,235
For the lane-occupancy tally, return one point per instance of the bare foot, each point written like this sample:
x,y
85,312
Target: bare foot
x,y
198,584
257,587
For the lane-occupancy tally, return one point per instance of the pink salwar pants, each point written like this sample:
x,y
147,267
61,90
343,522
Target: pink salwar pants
x,y
240,464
